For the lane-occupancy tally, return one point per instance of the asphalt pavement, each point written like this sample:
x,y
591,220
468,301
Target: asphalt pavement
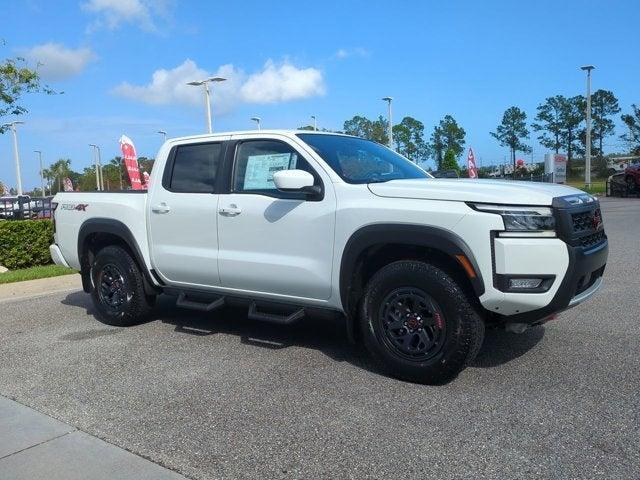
x,y
220,396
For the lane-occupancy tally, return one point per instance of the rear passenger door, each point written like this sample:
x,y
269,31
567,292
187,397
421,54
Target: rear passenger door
x,y
183,215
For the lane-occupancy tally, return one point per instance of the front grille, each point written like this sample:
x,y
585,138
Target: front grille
x,y
583,221
580,225
593,239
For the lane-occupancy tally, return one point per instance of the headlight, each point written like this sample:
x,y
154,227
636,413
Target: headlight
x,y
521,219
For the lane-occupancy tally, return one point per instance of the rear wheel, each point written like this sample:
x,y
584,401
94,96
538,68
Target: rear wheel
x,y
418,324
118,289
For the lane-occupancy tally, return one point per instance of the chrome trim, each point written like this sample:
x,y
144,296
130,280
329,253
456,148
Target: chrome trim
x,y
582,296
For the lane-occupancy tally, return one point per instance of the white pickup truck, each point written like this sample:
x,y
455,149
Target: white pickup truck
x,y
292,223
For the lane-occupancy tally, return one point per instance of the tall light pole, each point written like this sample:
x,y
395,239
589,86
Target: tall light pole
x,y
164,135
587,155
257,120
315,123
98,163
39,152
16,155
389,119
207,96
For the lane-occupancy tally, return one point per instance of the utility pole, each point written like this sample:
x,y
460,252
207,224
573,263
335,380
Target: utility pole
x,y
44,192
389,119
16,154
98,164
587,155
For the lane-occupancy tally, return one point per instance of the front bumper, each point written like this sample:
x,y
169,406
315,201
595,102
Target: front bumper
x,y
582,280
56,256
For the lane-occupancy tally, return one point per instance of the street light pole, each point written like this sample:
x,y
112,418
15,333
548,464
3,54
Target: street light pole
x,y
390,120
587,155
96,161
257,120
44,192
164,135
100,167
315,123
207,96
16,154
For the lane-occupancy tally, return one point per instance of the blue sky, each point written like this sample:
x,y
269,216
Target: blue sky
x,y
122,66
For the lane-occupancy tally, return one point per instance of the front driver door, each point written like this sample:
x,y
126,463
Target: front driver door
x,y
270,241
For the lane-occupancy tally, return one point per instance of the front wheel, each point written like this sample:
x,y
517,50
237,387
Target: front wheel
x,y
418,324
118,289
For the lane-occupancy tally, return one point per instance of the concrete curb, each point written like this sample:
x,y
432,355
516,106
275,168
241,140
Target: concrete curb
x,y
32,288
36,446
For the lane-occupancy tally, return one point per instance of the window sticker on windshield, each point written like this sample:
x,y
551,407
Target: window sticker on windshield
x,y
260,170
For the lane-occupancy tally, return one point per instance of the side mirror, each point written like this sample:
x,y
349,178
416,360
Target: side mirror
x,y
293,180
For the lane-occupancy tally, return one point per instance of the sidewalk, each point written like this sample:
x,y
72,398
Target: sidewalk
x,y
34,446
42,286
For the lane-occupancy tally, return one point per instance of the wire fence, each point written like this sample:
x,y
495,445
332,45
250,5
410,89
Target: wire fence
x,y
25,207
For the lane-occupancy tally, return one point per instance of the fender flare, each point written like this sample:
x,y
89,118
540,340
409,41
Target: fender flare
x,y
120,230
405,234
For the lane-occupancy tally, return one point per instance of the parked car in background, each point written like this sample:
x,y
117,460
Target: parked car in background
x,y
632,176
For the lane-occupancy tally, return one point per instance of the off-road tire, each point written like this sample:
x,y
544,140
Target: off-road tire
x,y
136,304
462,326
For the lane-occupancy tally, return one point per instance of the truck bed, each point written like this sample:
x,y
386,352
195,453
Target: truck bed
x,y
74,208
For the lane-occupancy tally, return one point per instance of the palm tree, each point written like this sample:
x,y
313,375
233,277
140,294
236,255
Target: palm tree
x,y
60,170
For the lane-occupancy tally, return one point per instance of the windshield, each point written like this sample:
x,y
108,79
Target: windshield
x,y
361,161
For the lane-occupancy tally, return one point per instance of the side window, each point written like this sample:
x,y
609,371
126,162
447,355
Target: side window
x,y
257,160
194,168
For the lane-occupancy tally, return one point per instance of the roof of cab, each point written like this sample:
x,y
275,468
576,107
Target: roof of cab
x,y
243,132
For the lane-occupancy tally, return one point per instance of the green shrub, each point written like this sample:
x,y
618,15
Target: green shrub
x,y
25,243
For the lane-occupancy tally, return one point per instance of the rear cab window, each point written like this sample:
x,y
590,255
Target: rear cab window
x,y
193,168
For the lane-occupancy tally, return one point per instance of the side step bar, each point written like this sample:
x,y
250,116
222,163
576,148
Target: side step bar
x,y
293,317
200,306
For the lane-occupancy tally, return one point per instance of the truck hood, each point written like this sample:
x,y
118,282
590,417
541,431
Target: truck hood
x,y
473,190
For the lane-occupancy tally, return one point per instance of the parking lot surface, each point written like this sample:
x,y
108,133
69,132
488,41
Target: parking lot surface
x,y
219,396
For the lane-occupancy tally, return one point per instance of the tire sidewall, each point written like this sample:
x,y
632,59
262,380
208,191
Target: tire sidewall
x,y
445,293
120,258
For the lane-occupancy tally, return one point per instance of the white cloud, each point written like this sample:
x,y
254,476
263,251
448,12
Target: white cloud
x,y
113,13
56,62
343,53
282,83
273,84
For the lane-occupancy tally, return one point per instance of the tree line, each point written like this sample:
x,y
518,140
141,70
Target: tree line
x,y
559,123
561,126
444,145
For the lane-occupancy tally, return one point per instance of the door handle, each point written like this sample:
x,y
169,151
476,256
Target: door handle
x,y
162,208
230,211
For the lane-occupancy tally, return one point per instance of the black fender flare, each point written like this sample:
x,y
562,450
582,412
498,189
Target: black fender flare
x,y
120,230
405,234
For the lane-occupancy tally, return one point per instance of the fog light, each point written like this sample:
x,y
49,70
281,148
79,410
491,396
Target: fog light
x,y
524,283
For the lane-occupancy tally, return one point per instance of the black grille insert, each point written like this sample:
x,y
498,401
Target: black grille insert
x,y
584,221
593,239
